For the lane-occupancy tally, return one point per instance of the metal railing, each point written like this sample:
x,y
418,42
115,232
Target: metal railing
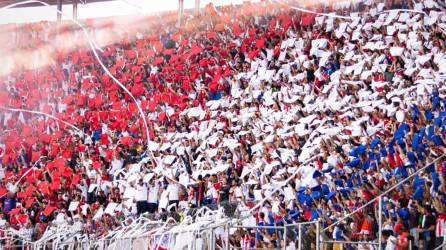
x,y
205,239
285,235
378,198
442,246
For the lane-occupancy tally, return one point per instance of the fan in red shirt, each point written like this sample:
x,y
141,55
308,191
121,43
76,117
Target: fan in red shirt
x,y
402,241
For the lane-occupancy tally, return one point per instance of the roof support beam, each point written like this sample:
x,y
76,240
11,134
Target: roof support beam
x,y
59,12
197,7
180,12
75,9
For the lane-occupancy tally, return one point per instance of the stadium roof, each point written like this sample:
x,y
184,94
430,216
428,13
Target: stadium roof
x,y
35,12
4,3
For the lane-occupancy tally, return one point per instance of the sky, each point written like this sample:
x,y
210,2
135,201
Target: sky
x,y
101,9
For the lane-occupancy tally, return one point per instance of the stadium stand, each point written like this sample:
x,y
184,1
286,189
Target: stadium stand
x,y
336,119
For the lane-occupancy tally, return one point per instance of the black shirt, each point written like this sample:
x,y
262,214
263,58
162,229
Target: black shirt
x,y
224,193
429,221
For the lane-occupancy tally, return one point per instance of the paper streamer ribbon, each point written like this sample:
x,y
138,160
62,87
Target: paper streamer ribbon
x,y
135,6
26,173
92,46
29,170
405,10
314,12
44,114
346,17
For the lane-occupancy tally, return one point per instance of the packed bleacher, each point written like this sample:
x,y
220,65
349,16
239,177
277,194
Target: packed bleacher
x,y
319,114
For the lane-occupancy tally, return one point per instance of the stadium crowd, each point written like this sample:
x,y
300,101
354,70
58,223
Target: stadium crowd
x,y
239,100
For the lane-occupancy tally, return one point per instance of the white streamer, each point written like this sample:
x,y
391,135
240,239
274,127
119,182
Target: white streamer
x,y
346,17
29,170
97,58
314,12
135,6
23,176
44,114
405,10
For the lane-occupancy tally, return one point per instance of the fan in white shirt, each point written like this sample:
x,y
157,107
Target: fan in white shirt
x,y
117,163
153,193
141,197
141,194
388,238
174,191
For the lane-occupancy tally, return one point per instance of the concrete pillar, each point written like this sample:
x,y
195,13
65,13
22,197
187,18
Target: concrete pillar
x,y
197,7
180,12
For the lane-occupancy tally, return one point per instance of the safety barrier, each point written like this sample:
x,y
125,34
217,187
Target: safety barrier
x,y
379,200
210,227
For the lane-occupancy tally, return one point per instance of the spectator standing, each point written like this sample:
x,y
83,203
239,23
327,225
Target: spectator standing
x,y
426,228
224,191
200,191
402,240
141,197
9,203
153,196
173,190
388,240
